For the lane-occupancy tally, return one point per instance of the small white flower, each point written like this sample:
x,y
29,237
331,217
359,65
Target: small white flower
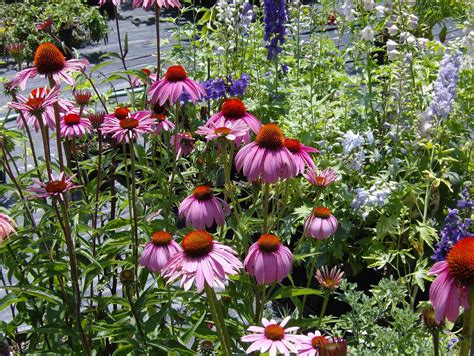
x,y
391,45
369,4
393,54
393,30
422,43
411,40
380,11
412,21
368,33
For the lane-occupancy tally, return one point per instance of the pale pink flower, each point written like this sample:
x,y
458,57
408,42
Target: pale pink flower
x,y
173,85
56,187
321,179
273,338
158,251
449,290
201,209
311,345
268,260
184,144
267,157
161,3
202,261
234,110
231,130
127,128
73,125
40,103
329,279
301,154
49,61
7,227
320,224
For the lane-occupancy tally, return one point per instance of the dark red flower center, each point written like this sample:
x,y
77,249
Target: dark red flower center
x,y
270,136
197,243
294,146
161,238
176,74
202,192
159,109
186,138
48,59
268,243
320,180
56,186
321,212
158,117
233,108
317,341
338,348
35,103
223,131
128,123
72,119
121,112
460,261
274,332
82,97
146,71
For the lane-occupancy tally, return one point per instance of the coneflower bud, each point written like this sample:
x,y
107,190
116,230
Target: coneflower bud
x,y
96,119
206,347
82,97
127,276
43,26
428,316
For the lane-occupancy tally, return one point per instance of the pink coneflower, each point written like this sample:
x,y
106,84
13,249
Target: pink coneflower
x,y
230,130
184,145
329,279
273,338
137,81
300,154
56,187
311,345
321,179
43,26
161,3
449,290
175,83
115,2
202,208
158,251
6,227
73,125
203,260
49,61
320,224
158,114
234,110
124,125
268,260
39,104
15,49
267,157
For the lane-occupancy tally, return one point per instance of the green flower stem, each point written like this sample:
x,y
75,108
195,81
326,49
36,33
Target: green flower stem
x,y
260,292
134,312
157,28
45,138
175,148
435,334
266,201
64,222
219,321
134,214
52,84
323,308
468,326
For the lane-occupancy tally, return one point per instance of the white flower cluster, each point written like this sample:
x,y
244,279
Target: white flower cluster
x,y
353,150
235,15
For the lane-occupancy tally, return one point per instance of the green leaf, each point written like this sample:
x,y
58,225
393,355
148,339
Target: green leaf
x,y
287,292
10,299
39,292
190,332
427,233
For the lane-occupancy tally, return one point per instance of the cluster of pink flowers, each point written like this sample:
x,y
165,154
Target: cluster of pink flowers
x,y
274,338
